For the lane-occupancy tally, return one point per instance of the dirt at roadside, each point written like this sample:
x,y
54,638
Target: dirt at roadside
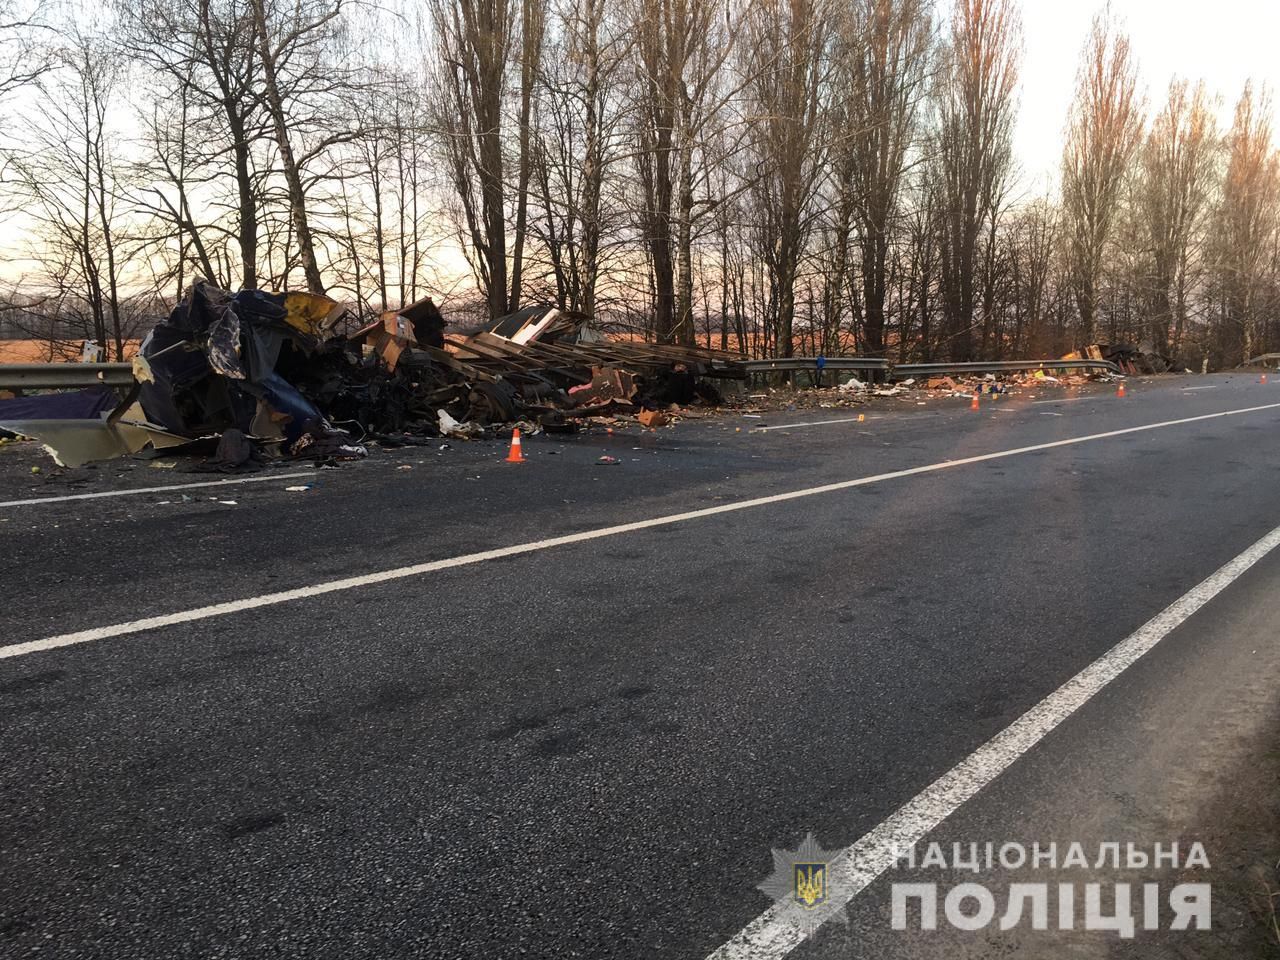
x,y
1241,825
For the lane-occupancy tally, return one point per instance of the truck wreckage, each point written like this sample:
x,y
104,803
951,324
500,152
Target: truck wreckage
x,y
255,370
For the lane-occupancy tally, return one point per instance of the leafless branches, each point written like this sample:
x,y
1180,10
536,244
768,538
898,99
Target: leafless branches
x,y
1103,132
774,175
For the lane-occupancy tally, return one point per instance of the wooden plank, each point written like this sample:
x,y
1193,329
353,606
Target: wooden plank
x,y
447,359
511,359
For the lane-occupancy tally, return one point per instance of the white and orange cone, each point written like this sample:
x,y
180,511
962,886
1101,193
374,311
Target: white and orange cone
x,y
516,455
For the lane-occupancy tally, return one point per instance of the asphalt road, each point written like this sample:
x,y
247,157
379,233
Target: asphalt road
x,y
589,748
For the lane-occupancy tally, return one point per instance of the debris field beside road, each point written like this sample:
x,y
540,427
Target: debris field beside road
x,y
231,382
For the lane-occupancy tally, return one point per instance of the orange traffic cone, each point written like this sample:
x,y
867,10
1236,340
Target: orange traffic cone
x,y
974,404
1120,391
515,456
1264,379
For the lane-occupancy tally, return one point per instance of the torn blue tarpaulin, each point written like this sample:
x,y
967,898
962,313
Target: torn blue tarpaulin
x,y
77,405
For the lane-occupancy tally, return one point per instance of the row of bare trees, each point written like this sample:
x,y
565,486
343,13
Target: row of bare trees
x,y
770,175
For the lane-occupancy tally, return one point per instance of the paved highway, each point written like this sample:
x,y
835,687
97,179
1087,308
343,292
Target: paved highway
x,y
564,709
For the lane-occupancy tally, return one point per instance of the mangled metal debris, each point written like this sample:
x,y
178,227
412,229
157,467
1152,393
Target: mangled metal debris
x,y
1130,359
73,443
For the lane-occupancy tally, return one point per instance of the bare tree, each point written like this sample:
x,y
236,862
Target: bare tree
x,y
1103,131
580,140
288,42
766,174
205,55
69,177
533,18
478,43
787,60
923,265
23,57
680,49
168,176
882,69
976,104
1033,242
1179,159
1246,216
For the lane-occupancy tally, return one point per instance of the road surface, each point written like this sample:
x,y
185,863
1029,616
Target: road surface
x,y
346,722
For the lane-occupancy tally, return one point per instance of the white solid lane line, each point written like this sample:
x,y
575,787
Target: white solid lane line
x,y
1207,386
176,486
775,933
1101,396
417,569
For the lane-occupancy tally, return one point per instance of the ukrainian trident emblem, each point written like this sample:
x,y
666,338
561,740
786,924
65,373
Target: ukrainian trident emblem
x,y
802,885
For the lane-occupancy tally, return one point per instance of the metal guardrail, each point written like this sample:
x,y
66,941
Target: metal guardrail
x,y
904,370
877,364
1263,358
20,376
33,376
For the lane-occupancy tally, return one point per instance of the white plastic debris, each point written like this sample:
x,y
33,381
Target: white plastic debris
x,y
452,428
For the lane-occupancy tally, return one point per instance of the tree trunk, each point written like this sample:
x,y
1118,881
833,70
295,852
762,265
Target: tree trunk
x,y
292,176
873,269
247,232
